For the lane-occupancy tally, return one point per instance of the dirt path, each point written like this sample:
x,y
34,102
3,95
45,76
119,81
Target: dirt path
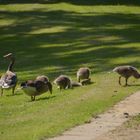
x,y
122,133
105,122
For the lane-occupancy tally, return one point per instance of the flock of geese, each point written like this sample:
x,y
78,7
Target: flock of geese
x,y
42,84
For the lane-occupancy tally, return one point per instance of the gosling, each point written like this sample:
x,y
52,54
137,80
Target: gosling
x,y
83,73
86,81
63,82
126,72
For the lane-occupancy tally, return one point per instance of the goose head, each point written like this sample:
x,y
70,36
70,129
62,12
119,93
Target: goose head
x,y
28,88
9,56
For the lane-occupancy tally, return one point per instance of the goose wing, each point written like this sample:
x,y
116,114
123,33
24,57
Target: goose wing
x,y
41,86
8,80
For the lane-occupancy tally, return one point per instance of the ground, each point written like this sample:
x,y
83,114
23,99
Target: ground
x,y
113,124
122,133
128,131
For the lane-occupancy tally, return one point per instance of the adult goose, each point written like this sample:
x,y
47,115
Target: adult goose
x,y
9,79
126,72
36,87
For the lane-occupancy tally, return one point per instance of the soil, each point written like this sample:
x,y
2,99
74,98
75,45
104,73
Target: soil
x,y
122,133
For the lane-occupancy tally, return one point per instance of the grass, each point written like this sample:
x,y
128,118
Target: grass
x,y
134,122
58,38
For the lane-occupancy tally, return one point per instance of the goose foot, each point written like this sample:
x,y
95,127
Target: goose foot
x,y
33,98
13,90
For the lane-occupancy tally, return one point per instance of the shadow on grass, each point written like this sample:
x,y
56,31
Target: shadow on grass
x,y
134,85
76,2
16,94
45,98
75,40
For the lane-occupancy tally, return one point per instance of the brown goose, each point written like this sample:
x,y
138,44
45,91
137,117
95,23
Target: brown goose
x,y
36,87
75,84
63,82
9,79
83,73
126,72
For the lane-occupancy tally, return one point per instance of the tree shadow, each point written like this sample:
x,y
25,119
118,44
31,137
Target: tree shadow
x,y
72,41
16,94
75,2
45,98
134,85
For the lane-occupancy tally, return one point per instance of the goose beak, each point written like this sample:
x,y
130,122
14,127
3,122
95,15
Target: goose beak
x,y
8,55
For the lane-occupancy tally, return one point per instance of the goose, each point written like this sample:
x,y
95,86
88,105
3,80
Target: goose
x,y
83,73
75,84
63,82
36,87
126,72
9,79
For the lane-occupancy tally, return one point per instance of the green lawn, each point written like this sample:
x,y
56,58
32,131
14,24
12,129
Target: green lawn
x,y
58,38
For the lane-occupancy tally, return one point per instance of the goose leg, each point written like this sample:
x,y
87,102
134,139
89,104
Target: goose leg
x,y
120,80
13,90
1,91
32,98
126,80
